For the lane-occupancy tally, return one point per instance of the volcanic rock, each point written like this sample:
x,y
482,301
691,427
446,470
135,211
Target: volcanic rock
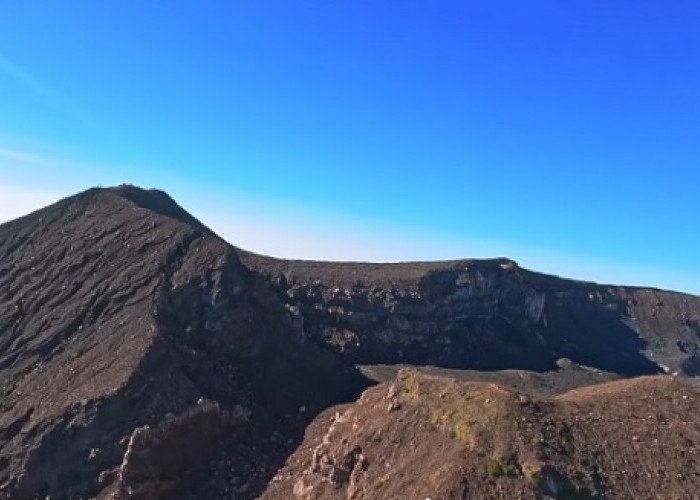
x,y
141,356
118,313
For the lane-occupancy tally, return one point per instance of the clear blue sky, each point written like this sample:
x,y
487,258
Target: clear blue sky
x,y
565,135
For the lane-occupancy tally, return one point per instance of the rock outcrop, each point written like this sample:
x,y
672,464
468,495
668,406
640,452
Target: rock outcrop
x,y
432,437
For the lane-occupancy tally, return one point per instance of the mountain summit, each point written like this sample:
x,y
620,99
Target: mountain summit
x,y
141,356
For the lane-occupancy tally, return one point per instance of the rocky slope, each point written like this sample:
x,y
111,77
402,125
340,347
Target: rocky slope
x,y
431,437
143,357
129,332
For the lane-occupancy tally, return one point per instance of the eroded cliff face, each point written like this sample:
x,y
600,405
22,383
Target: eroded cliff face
x,y
486,315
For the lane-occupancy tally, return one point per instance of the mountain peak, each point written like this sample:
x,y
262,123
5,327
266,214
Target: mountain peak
x,y
157,201
104,202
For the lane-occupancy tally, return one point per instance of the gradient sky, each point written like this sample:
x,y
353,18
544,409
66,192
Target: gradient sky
x,y
565,135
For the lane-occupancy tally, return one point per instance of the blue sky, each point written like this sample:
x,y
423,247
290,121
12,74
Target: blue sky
x,y
565,135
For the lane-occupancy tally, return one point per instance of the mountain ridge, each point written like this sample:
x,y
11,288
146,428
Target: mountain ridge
x,y
161,202
131,334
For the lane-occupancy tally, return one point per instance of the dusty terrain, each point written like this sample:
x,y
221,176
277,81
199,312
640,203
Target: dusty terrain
x,y
141,356
431,437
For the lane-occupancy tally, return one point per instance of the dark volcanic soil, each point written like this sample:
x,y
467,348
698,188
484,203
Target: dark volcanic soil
x,y
141,356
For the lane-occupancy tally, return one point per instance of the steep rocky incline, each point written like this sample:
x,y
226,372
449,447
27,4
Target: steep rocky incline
x,y
130,334
486,314
430,437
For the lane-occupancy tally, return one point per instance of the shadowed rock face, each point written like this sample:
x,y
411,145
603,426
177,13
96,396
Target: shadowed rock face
x,y
130,334
486,315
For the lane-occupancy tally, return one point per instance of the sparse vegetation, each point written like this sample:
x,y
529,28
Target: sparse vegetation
x,y
531,472
411,386
379,484
454,417
463,433
498,468
495,468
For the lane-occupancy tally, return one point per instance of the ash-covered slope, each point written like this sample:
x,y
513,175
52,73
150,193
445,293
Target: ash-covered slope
x,y
486,315
139,358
